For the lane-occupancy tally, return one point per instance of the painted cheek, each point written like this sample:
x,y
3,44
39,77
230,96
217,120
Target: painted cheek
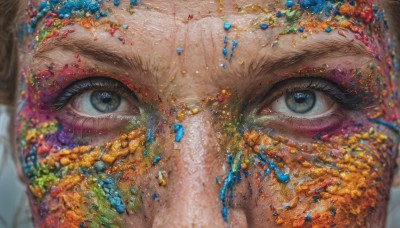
x,y
72,184
335,181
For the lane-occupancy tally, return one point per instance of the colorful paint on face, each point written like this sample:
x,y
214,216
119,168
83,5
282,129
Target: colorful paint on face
x,y
75,185
333,170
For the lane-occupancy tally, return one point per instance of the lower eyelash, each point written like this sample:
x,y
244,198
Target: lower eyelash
x,y
307,127
82,125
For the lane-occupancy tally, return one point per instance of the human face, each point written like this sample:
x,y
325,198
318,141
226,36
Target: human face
x,y
212,113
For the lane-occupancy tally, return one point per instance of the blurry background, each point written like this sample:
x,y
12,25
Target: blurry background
x,y
14,208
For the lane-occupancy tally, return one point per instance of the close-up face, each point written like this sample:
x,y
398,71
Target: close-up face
x,y
220,113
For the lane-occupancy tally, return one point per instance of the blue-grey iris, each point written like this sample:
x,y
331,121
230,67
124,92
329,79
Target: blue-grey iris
x,y
105,101
300,101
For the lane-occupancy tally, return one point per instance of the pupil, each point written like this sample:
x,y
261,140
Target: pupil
x,y
300,101
105,101
300,97
105,97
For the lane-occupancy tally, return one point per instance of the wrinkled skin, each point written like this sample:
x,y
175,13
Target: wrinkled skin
x,y
333,151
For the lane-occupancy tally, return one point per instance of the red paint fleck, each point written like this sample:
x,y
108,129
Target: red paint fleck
x,y
220,98
49,22
55,191
65,33
67,22
111,31
44,149
366,14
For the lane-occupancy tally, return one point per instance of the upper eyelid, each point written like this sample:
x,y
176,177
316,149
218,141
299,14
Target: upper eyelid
x,y
87,84
337,93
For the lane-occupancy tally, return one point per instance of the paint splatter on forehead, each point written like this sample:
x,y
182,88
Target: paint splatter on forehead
x,y
334,13
278,18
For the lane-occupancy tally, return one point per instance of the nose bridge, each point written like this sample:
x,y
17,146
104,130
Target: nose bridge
x,y
193,193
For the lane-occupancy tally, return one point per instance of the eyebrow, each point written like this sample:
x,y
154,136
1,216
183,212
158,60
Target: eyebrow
x,y
258,66
95,51
332,47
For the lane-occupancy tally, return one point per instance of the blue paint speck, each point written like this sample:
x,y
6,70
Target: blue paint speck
x,y
263,26
156,159
281,177
42,5
333,211
328,29
234,44
227,26
272,165
289,3
112,194
154,196
179,51
224,213
314,6
134,2
179,132
150,135
308,218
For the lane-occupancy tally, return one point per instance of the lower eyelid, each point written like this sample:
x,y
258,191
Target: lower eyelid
x,y
82,124
127,109
302,126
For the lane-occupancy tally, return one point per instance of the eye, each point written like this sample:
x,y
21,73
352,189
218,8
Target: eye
x,y
97,104
105,101
303,103
306,104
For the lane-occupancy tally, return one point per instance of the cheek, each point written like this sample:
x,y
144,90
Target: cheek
x,y
340,180
71,183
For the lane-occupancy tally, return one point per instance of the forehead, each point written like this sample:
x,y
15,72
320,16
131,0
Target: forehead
x,y
283,17
323,9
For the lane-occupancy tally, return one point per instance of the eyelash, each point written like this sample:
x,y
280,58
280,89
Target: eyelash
x,y
346,99
93,83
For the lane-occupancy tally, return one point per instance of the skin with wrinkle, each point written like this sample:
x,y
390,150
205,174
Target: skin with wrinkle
x,y
199,140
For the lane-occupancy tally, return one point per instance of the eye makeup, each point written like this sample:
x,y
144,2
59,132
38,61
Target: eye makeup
x,y
97,84
344,98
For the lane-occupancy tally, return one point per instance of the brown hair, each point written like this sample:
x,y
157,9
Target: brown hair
x,y
393,9
8,50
